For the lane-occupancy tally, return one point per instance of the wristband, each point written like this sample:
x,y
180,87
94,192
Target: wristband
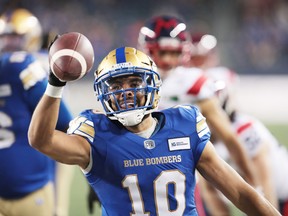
x,y
54,91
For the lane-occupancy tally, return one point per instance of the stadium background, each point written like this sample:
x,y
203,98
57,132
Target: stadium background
x,y
252,40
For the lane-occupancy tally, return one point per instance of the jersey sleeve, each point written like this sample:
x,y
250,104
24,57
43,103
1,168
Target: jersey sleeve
x,y
250,137
34,80
31,75
30,70
202,88
83,126
201,133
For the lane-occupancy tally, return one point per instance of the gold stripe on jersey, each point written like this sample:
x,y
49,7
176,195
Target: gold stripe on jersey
x,y
83,127
201,126
32,74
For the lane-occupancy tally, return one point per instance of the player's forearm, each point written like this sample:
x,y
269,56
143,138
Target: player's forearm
x,y
243,195
43,122
221,126
265,175
254,204
242,160
214,203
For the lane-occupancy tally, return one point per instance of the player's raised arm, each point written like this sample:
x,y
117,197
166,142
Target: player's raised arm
x,y
69,60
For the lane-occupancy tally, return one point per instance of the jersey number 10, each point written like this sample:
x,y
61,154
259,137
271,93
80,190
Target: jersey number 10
x,y
161,194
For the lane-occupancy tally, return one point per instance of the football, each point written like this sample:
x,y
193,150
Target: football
x,y
71,56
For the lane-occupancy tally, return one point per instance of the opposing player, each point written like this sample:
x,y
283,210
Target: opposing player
x,y
166,39
26,184
205,55
269,157
138,161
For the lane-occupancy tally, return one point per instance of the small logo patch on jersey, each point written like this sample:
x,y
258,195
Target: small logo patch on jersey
x,y
179,144
149,144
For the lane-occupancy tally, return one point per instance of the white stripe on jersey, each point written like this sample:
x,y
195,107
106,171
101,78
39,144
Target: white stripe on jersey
x,y
202,127
83,127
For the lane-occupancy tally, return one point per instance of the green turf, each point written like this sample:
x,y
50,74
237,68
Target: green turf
x,y
79,191
280,132
78,198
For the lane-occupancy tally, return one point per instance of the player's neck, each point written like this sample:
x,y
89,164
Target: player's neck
x,y
147,123
149,131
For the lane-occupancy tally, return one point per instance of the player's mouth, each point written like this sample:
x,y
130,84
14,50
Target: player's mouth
x,y
128,104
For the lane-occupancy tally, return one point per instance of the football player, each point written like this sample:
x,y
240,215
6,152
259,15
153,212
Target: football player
x,y
204,55
26,175
269,157
139,161
167,41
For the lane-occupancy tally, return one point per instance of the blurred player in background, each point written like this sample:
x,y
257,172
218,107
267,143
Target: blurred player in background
x,y
269,157
205,55
167,41
138,161
26,175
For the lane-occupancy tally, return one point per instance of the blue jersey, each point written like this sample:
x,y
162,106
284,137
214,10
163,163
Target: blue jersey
x,y
22,84
137,176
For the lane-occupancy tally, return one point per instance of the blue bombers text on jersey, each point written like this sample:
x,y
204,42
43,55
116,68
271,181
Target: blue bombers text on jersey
x,y
134,175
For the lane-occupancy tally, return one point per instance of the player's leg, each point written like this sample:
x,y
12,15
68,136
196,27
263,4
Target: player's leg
x,y
63,180
40,203
4,207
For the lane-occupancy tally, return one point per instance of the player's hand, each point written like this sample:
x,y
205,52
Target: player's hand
x,y
55,38
53,80
92,198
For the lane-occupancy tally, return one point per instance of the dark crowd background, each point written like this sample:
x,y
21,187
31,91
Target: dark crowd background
x,y
252,34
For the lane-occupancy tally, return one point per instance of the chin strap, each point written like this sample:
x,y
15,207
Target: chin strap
x,y
130,118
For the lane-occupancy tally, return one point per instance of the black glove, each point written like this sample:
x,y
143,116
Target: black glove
x,y
53,80
92,197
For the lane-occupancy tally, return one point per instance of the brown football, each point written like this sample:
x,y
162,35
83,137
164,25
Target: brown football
x,y
71,56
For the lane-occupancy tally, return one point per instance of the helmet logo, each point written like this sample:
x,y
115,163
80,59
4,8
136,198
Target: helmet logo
x,y
149,144
172,28
122,65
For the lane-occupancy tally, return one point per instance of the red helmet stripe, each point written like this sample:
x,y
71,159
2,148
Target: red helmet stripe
x,y
168,24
